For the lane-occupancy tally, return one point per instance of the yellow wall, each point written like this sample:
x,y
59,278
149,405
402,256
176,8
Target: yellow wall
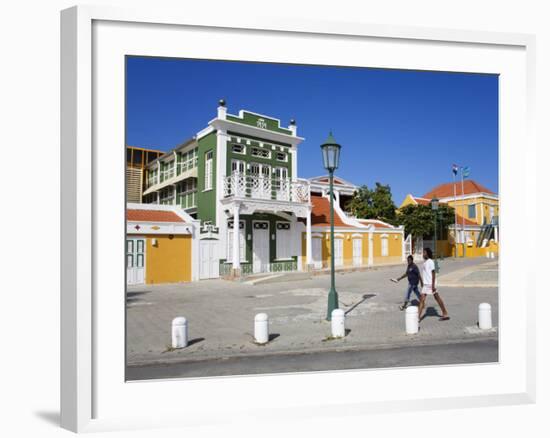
x,y
408,201
394,248
169,261
475,251
482,208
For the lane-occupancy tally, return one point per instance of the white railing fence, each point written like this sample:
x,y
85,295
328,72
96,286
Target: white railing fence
x,y
263,187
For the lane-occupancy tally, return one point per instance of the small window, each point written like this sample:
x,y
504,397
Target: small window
x,y
281,156
472,211
238,149
261,153
208,170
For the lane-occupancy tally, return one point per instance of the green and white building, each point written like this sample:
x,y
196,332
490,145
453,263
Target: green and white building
x,y
238,177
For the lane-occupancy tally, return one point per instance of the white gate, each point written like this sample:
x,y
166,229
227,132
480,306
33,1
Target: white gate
x,y
407,246
209,260
135,260
357,252
260,247
418,248
316,252
338,252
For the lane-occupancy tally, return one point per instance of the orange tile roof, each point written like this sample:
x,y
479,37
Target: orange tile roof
x,y
320,214
326,180
422,201
447,190
466,221
152,216
375,223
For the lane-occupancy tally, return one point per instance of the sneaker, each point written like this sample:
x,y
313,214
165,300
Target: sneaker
x,y
404,306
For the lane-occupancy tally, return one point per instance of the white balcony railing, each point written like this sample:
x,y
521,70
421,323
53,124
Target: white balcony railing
x,y
263,187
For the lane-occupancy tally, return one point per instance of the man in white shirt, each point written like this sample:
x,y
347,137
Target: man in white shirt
x,y
428,285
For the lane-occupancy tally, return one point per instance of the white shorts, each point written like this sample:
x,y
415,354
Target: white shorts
x,y
427,290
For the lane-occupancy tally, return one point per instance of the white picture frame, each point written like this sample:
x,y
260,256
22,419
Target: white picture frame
x,y
93,396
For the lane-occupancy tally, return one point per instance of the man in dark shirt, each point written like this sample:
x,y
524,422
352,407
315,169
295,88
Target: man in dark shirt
x,y
413,275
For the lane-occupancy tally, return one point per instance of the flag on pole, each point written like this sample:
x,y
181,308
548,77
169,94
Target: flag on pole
x,y
465,172
455,169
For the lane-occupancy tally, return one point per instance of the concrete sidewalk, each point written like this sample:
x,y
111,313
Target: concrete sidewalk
x,y
221,314
482,275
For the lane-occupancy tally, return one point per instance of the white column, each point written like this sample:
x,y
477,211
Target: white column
x,y
174,201
221,160
175,163
222,110
158,172
236,238
294,164
403,255
371,255
309,258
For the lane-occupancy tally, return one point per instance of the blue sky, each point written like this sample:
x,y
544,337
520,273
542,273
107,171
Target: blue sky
x,y
397,127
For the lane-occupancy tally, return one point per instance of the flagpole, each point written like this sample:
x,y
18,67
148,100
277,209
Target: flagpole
x,y
463,215
456,219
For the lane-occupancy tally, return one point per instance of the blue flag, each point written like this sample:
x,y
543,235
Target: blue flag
x,y
465,172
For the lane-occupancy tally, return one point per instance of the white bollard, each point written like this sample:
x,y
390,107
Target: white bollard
x,y
179,332
261,328
338,323
411,320
484,316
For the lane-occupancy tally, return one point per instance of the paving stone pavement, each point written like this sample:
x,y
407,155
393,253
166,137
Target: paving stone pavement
x,y
481,275
220,315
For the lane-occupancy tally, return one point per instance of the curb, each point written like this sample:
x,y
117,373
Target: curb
x,y
411,342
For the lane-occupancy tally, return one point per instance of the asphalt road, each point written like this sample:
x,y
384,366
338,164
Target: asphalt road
x,y
482,351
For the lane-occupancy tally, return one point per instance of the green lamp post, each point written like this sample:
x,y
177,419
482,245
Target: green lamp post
x,y
331,159
435,208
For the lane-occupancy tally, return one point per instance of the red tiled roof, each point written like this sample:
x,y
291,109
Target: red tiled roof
x,y
422,201
466,221
326,180
375,223
447,190
320,214
152,216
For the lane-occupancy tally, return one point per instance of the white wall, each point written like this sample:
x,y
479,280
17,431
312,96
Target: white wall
x,y
29,98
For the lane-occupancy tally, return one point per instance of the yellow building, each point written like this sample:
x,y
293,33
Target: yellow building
x,y
476,207
357,242
161,245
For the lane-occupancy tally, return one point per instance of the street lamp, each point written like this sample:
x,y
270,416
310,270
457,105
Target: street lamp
x,y
435,208
331,159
